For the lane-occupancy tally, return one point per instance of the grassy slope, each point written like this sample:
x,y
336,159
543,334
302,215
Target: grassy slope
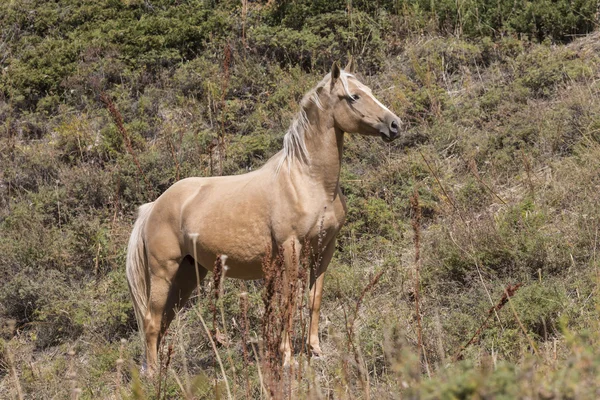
x,y
506,168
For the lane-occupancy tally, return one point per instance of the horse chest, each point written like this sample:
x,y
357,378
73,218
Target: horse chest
x,y
330,219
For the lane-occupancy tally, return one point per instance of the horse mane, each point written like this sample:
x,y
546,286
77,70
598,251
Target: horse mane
x,y
294,140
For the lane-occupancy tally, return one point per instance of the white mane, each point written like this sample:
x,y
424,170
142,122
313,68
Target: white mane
x,y
294,141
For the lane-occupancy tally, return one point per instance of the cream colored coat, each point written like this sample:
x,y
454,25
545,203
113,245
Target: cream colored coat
x,y
284,203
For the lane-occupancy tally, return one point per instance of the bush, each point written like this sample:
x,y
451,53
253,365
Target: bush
x,y
337,36
41,302
506,183
541,70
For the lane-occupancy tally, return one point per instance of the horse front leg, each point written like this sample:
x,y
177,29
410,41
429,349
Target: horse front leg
x,y
317,278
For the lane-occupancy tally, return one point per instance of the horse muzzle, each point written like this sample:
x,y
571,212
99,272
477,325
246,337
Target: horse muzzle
x,y
389,131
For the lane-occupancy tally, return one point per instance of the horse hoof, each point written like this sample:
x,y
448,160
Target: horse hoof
x,y
316,351
145,372
287,358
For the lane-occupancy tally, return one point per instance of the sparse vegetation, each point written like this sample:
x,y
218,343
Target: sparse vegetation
x,y
502,109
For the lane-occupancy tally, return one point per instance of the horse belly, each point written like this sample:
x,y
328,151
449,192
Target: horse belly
x,y
243,270
242,263
245,246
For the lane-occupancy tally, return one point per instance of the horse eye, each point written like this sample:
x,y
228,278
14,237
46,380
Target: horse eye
x,y
354,97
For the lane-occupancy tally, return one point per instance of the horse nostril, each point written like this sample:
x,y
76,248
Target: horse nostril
x,y
394,126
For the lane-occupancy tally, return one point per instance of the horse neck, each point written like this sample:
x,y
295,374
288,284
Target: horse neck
x,y
324,145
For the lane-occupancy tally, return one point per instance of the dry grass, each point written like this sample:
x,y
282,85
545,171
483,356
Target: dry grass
x,y
507,187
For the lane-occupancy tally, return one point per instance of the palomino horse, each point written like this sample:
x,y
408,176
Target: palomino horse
x,y
293,200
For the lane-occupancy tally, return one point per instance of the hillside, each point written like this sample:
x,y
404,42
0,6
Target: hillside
x,y
495,183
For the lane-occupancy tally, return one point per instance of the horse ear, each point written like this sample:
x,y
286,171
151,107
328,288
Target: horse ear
x,y
335,73
351,66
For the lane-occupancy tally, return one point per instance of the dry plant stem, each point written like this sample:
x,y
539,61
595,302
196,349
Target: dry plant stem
x,y
527,165
316,261
217,274
531,343
166,368
476,262
439,334
119,363
357,357
458,355
72,375
58,209
118,119
508,292
416,225
14,374
486,289
116,205
473,168
273,324
202,319
594,263
214,347
363,375
175,159
263,389
448,198
97,261
224,86
225,334
303,277
244,14
213,308
160,365
466,225
367,288
184,363
296,276
244,320
183,390
289,306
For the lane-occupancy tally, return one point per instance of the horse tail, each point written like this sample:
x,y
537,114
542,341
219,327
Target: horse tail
x,y
138,275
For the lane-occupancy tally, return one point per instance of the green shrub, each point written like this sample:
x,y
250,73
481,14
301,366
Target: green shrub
x,y
337,36
539,306
20,299
41,303
506,183
541,70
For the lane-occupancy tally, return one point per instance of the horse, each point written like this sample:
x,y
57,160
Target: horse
x,y
294,200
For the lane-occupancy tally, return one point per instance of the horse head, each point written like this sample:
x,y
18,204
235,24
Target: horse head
x,y
356,110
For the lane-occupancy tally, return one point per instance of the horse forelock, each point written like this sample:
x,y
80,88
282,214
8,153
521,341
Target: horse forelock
x,y
344,79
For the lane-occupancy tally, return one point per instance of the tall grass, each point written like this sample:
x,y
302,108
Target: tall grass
x,y
506,177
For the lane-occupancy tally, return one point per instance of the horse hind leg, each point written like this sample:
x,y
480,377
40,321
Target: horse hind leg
x,y
186,280
167,296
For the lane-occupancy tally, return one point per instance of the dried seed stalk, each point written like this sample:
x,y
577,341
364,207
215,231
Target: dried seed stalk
x,y
509,291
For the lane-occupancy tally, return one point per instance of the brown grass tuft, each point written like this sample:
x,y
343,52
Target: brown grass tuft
x,y
118,120
416,225
272,325
217,275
